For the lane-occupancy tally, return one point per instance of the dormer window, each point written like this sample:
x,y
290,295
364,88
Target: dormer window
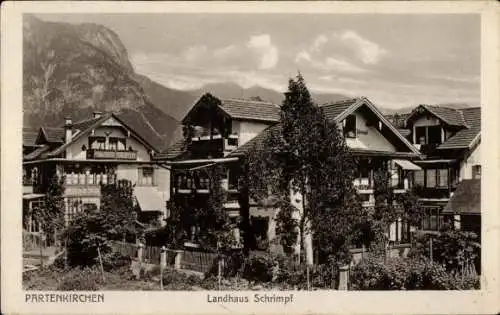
x,y
428,135
350,127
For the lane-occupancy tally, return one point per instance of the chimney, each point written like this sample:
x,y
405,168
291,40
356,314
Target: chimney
x,y
68,126
97,114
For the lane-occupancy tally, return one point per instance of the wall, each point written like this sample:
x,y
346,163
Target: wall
x,y
247,130
426,121
373,140
127,171
466,165
162,177
74,151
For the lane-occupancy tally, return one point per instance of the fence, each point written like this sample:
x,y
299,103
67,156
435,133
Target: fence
x,y
198,261
191,260
32,240
126,249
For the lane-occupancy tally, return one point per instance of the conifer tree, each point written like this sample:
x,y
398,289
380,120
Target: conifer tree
x,y
307,155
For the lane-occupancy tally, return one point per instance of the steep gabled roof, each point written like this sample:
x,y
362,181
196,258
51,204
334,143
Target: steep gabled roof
x,y
466,137
334,109
449,116
36,153
83,128
466,199
29,136
338,111
251,110
52,134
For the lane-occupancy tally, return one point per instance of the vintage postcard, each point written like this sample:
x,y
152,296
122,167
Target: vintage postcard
x,y
243,157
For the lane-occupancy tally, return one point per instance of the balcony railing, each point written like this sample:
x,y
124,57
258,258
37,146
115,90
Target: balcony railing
x,y
111,155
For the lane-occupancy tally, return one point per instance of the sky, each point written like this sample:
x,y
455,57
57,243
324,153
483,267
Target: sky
x,y
396,60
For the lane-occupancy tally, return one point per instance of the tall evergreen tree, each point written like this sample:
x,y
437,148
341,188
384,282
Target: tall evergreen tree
x,y
306,159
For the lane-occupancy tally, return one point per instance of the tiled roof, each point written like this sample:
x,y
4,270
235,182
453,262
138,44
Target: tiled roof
x,y
333,110
464,137
84,124
398,120
135,124
36,153
450,116
258,141
172,152
54,134
29,136
466,199
251,110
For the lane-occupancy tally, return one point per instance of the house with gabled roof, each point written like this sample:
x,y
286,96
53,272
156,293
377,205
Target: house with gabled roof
x,y
224,131
449,139
99,150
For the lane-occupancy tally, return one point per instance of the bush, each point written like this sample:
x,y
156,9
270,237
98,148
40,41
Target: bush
x,y
87,279
260,268
114,261
407,274
456,250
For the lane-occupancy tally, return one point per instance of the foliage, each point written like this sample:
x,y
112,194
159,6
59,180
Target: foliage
x,y
88,234
115,260
214,226
407,274
87,279
456,250
300,156
286,227
117,204
51,213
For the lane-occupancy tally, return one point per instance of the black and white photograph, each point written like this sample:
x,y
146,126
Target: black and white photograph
x,y
252,152
263,152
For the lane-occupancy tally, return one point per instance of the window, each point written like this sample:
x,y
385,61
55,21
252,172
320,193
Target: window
x,y
419,178
442,179
420,135
117,144
97,143
431,220
350,127
476,171
431,178
434,134
146,176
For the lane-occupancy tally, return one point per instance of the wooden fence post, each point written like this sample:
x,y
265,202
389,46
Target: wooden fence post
x,y
163,264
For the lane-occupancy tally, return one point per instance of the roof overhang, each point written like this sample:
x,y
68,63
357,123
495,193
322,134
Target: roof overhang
x,y
88,161
407,165
364,101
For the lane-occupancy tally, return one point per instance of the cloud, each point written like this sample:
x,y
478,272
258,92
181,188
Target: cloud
x,y
267,52
328,64
343,51
368,51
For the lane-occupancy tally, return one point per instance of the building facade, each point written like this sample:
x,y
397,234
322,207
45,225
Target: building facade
x,y
450,141
102,149
224,131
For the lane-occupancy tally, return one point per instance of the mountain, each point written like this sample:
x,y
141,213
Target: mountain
x,y
73,70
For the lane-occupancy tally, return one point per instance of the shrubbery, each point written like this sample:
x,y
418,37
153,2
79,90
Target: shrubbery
x,y
456,250
87,279
407,274
283,270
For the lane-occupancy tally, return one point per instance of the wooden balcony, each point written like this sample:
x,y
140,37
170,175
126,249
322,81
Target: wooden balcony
x,y
111,155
